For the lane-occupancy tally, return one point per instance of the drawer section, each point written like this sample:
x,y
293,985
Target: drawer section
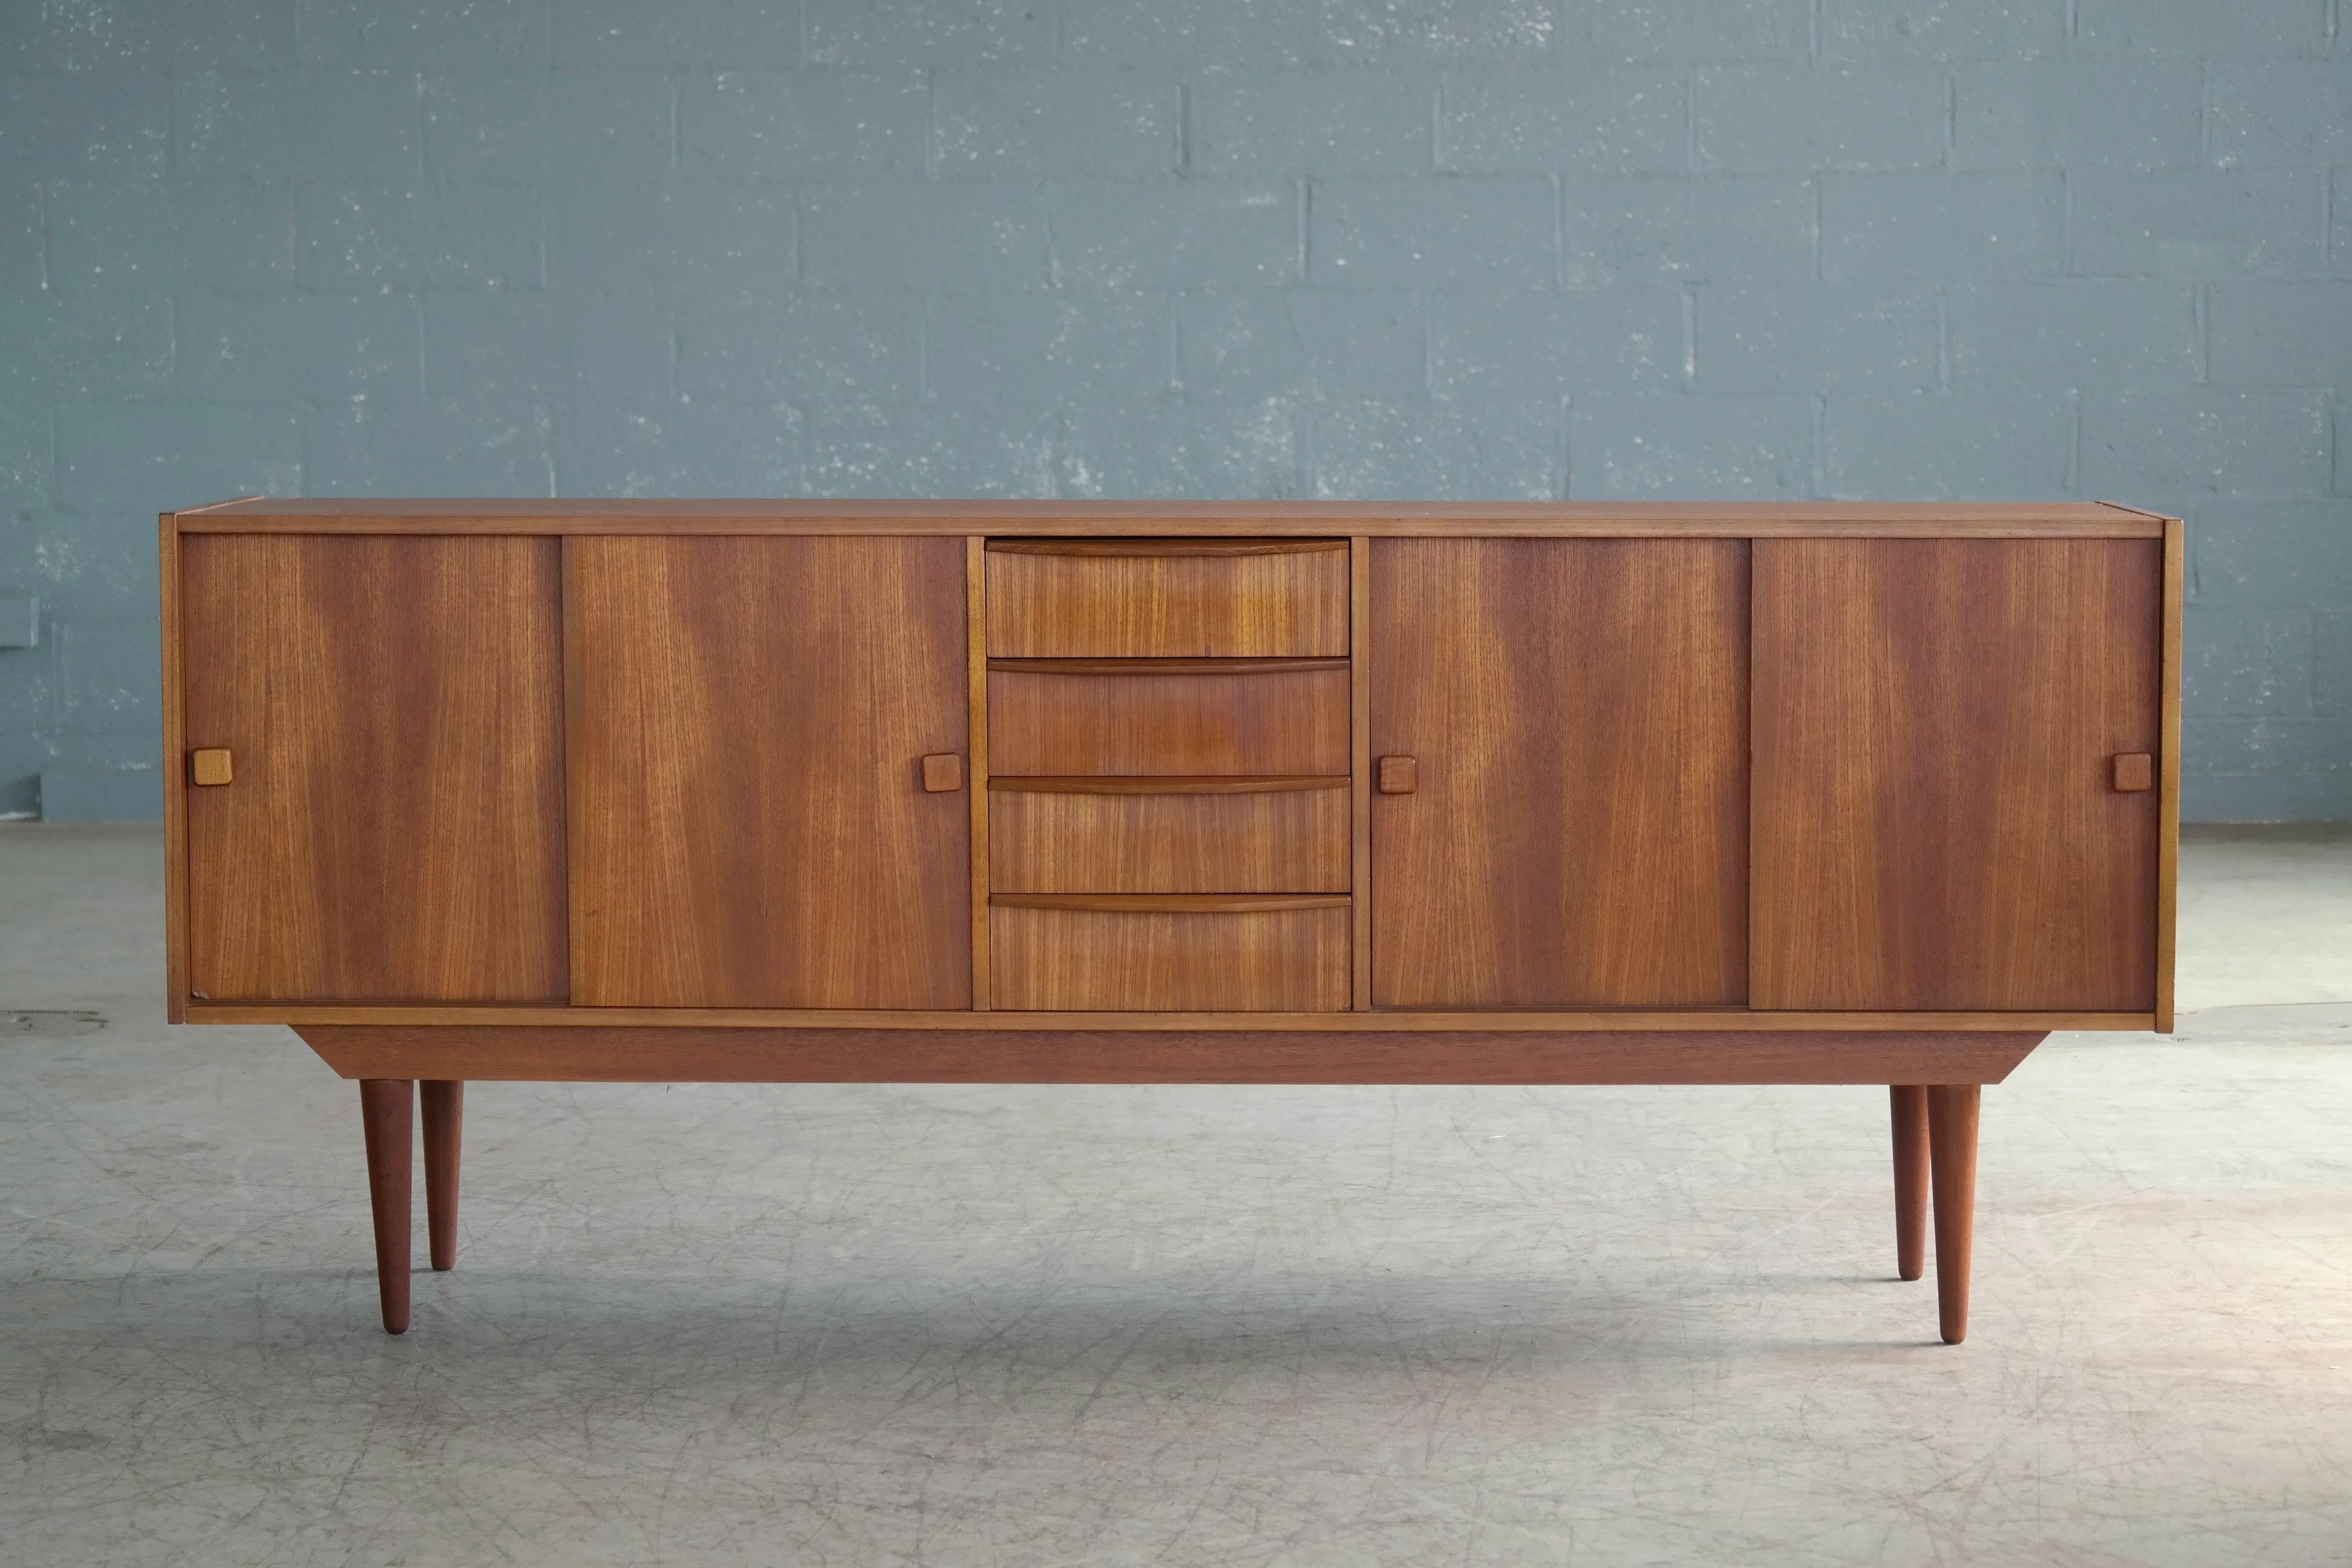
x,y
1169,717
1202,953
1169,835
1140,598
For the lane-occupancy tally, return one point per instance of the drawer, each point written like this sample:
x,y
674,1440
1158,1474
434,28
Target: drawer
x,y
1169,835
1167,717
1169,953
1143,598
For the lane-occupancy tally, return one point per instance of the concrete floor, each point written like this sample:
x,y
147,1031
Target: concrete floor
x,y
1304,1327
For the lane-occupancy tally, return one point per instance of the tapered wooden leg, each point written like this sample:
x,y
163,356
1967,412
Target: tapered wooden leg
x,y
445,1120
1909,1101
386,1112
1952,1145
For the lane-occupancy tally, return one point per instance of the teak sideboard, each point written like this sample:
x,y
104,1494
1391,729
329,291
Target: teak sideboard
x,y
1163,793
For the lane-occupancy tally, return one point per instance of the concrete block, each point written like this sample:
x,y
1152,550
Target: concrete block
x,y
2008,443
1433,234
1754,119
515,348
353,127
20,622
27,466
133,461
629,447
723,241
1627,120
2200,27
927,32
802,348
111,237
1004,446
1323,123
1949,226
1713,229
1681,447
1173,235
235,239
1524,347
107,674
1011,125
2204,439
1166,448
431,34
2246,664
2052,113
304,345
924,236
101,794
790,125
2320,795
86,125
183,34
2331,690
1343,32
2281,111
87,567
483,448
2229,223
2287,745
2252,554
493,125
1953,30
1254,344
24,264
363,239
1500,449
2339,207
1039,347
611,125
1701,29
1813,337
2280,335
2073,334
61,346
705,34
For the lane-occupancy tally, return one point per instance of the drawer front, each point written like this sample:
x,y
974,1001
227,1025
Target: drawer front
x,y
1221,720
1284,956
1116,599
1171,835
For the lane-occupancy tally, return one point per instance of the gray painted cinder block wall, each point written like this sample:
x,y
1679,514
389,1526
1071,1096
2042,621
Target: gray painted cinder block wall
x,y
1469,249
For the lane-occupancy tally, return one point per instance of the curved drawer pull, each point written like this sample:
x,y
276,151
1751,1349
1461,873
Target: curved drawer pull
x,y
1161,666
1144,783
1163,547
1171,903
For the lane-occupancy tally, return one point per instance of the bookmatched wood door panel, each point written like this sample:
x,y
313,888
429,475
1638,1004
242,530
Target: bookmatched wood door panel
x,y
1937,824
1171,954
1575,714
1169,835
750,721
1173,597
1187,720
393,829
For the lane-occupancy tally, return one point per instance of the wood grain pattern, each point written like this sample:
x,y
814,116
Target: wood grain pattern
x,y
943,771
176,783
1578,710
1128,598
1290,960
1398,775
749,830
1204,722
975,582
388,1131
996,1054
395,831
1186,840
212,766
1724,520
1359,753
1934,824
2167,809
2133,770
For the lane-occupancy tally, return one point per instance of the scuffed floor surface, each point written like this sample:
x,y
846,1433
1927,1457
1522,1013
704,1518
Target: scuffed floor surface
x,y
1305,1327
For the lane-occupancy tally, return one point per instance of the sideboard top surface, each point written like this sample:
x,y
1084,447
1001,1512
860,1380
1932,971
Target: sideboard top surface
x,y
1991,520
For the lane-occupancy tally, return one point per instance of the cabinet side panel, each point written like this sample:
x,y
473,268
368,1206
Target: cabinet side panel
x,y
753,829
1578,833
1937,825
394,828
